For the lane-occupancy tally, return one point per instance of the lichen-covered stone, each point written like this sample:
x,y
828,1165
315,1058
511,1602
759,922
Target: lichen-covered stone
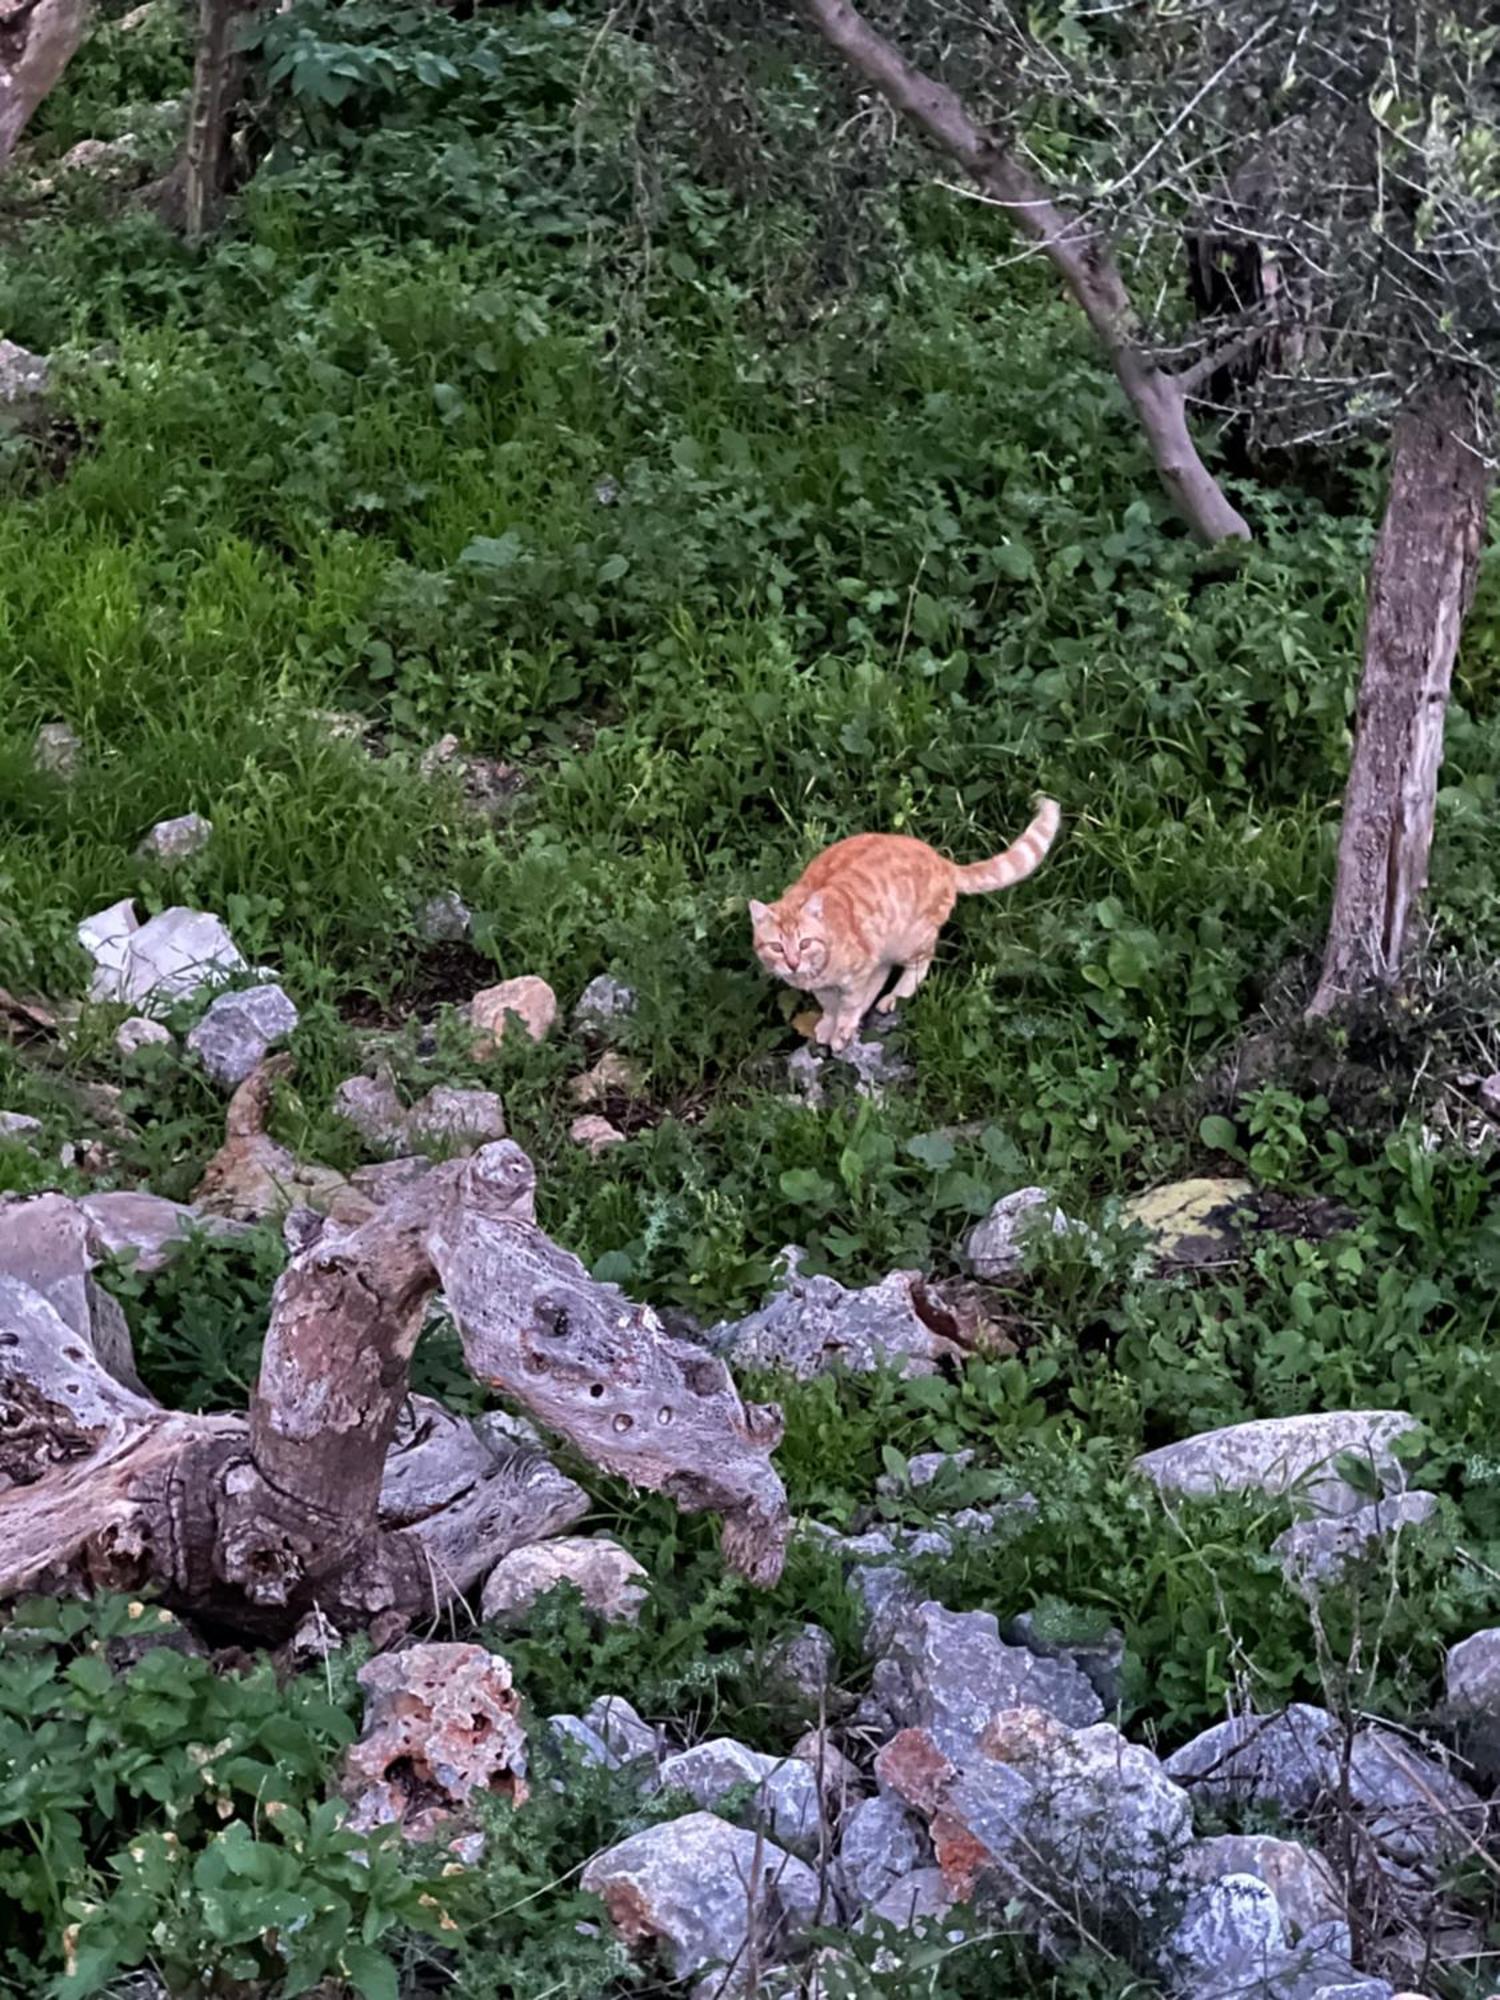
x,y
950,1671
813,1324
1472,1675
1227,1932
608,1578
239,1029
880,1841
174,840
1284,1455
785,1796
693,1887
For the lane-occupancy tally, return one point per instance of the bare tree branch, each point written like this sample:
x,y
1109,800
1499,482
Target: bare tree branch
x,y
1072,247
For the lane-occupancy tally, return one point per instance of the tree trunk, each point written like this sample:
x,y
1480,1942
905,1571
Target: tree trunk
x,y
218,73
341,1492
1422,581
1075,247
37,42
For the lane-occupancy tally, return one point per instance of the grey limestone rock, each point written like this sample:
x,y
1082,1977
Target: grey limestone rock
x,y
785,1799
239,1029
1284,1456
694,1885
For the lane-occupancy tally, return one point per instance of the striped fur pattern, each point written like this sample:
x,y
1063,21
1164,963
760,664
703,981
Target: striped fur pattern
x,y
869,905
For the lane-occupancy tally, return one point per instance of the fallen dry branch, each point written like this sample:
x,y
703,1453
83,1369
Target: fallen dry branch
x,y
339,1489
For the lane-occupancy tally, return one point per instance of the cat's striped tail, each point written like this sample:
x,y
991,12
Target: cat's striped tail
x,y
1018,861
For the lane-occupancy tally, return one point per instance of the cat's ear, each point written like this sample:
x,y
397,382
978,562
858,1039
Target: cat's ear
x,y
813,907
758,912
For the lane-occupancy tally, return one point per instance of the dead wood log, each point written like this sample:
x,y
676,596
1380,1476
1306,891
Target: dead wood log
x,y
303,1503
38,39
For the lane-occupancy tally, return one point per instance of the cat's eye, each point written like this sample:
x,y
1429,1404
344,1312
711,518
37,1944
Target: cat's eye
x,y
780,950
806,944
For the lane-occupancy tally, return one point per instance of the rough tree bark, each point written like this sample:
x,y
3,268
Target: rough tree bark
x,y
38,39
1422,578
305,1505
1075,249
190,195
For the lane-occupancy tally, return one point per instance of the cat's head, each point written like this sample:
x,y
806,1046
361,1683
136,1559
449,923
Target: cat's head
x,y
791,939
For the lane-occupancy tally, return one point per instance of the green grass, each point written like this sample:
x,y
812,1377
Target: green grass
x,y
900,568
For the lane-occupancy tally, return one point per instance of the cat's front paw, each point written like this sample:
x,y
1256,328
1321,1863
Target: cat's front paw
x,y
825,1031
887,1003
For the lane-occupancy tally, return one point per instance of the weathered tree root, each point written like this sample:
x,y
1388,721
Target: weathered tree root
x,y
254,1521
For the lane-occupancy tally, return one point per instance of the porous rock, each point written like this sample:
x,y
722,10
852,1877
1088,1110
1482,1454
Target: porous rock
x,y
528,1000
785,1796
879,1842
996,1247
606,1576
442,1725
813,1324
1321,1552
694,1886
1279,1456
236,1033
602,1002
174,840
152,965
949,1672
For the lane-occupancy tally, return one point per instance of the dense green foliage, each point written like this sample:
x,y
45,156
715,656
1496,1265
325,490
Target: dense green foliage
x,y
478,416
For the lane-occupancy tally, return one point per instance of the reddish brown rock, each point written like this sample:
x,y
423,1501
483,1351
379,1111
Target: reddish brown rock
x,y
442,1726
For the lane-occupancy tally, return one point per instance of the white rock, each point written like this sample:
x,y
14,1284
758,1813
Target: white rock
x,y
880,1842
18,1128
155,964
139,1033
173,840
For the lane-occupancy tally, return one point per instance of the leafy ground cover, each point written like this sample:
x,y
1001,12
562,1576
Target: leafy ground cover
x,y
469,422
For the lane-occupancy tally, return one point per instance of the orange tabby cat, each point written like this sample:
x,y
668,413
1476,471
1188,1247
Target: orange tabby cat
x,y
872,903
